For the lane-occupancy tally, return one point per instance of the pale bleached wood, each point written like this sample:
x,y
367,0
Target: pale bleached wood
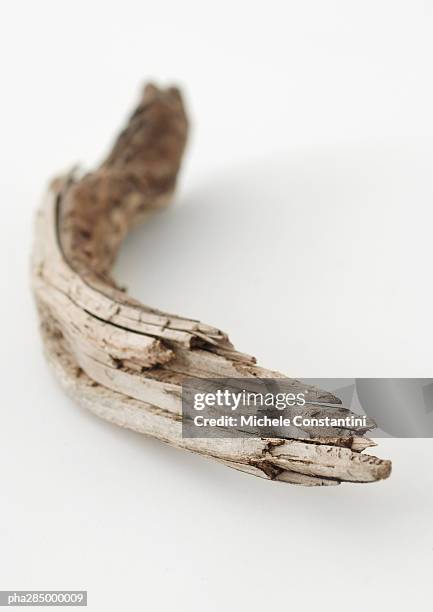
x,y
125,361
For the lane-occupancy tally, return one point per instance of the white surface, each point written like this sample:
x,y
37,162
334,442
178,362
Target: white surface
x,y
310,171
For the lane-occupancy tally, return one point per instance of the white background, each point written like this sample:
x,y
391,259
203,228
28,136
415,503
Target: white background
x,y
302,225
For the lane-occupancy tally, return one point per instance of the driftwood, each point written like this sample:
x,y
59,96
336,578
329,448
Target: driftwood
x,y
126,361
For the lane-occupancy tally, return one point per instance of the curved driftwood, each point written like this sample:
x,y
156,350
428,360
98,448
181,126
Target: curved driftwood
x,y
125,361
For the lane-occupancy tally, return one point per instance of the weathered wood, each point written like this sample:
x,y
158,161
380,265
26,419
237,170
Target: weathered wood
x,y
125,361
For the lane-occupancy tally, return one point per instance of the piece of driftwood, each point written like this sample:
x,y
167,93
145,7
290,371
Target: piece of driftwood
x,y
126,361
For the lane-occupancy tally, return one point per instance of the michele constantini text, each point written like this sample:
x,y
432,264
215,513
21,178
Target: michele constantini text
x,y
349,422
